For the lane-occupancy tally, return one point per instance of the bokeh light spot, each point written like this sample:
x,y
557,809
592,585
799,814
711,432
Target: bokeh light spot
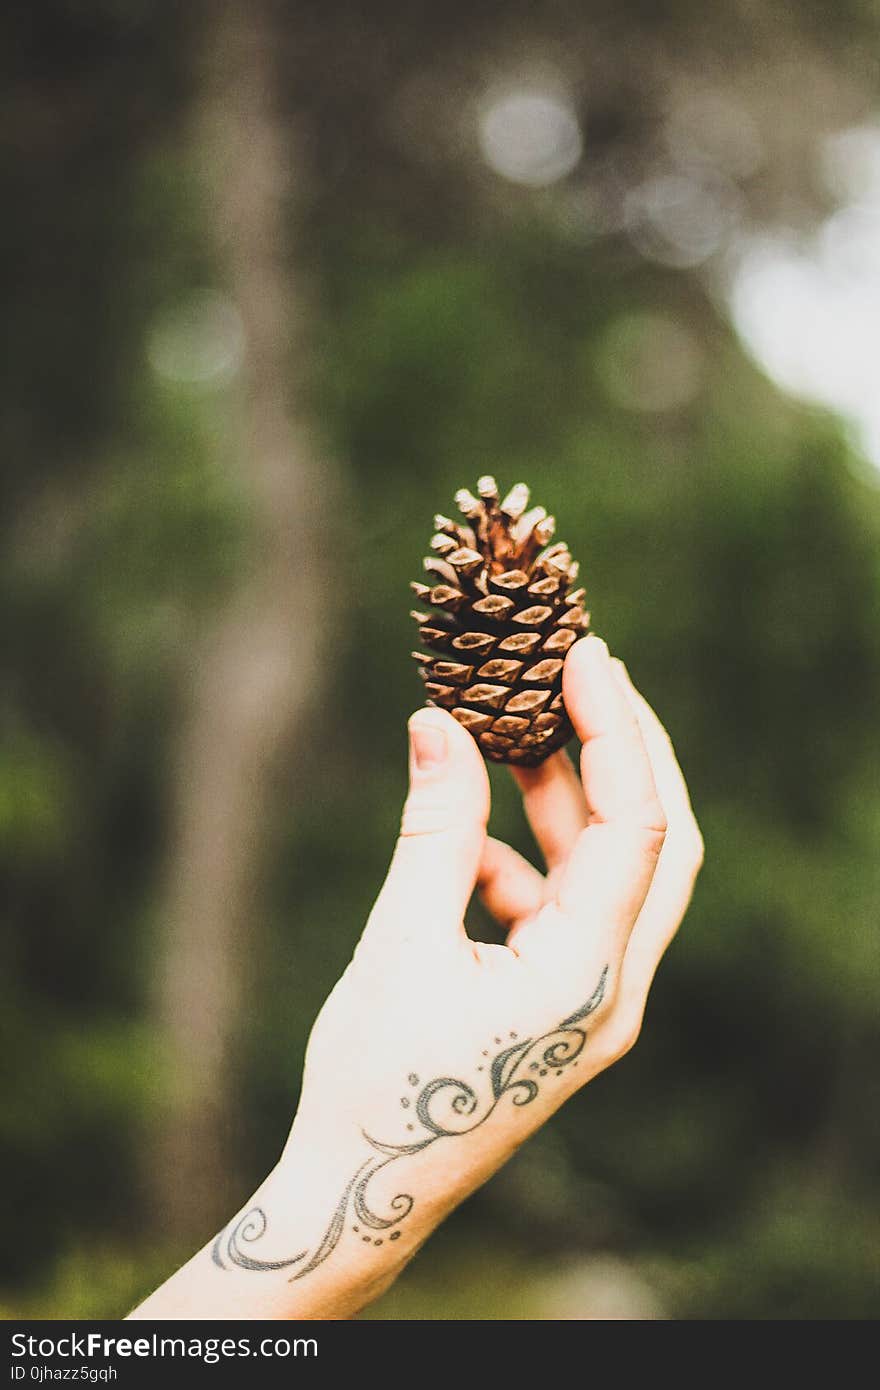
x,y
199,341
682,219
808,309
530,137
810,315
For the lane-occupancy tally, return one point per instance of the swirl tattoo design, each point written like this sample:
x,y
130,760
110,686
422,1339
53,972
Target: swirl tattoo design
x,y
445,1108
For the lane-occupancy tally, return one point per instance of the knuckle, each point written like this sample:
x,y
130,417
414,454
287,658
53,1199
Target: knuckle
x,y
608,1002
601,1012
621,1036
656,833
685,845
693,849
656,818
698,851
421,817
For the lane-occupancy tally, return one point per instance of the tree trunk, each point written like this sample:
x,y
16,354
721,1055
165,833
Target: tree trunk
x,y
256,670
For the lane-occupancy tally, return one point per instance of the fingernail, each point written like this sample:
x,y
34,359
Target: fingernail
x,y
428,746
597,649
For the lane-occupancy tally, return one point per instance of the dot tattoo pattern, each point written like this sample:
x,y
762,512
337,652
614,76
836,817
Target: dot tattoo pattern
x,y
446,1108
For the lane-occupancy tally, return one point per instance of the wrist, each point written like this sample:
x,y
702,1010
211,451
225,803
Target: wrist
x,y
357,1212
328,1230
285,1255
303,1218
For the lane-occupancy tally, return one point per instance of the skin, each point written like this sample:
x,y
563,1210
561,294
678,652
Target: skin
x,y
420,1001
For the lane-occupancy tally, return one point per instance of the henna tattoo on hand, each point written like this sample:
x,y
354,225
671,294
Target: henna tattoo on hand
x,y
444,1108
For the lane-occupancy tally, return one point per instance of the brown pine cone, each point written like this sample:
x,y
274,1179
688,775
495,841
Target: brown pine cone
x,y
504,612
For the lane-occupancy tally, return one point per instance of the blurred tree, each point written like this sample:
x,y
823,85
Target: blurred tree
x,y
257,667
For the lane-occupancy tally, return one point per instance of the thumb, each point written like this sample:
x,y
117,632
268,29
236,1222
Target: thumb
x,y
443,828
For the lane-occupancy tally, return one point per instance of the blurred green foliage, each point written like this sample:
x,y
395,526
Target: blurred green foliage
x,y
730,549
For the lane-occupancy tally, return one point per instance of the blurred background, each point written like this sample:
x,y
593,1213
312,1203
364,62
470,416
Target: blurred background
x,y
279,279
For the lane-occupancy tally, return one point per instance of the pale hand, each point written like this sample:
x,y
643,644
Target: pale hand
x,y
436,1056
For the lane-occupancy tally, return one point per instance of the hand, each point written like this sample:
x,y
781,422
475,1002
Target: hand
x,y
436,1056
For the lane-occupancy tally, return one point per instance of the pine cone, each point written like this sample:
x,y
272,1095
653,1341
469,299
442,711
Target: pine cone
x,y
505,613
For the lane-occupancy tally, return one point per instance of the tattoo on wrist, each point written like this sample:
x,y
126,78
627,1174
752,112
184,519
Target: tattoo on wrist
x,y
443,1108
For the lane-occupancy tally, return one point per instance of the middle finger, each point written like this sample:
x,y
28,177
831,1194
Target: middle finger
x,y
554,804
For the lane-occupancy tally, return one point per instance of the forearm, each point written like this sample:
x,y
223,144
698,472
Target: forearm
x,y
228,1279
328,1231
268,1261
299,1249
